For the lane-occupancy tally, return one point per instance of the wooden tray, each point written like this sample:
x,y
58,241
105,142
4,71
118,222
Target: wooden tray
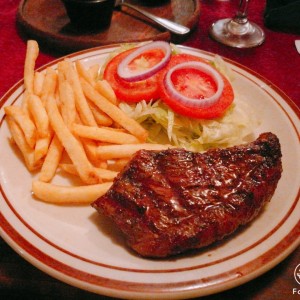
x,y
47,22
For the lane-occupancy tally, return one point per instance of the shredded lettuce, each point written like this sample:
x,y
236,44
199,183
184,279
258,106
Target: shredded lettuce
x,y
220,64
165,126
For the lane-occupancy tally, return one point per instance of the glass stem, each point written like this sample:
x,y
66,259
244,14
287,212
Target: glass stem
x,y
242,13
240,25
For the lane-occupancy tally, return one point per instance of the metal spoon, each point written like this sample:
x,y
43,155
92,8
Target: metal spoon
x,y
171,26
297,44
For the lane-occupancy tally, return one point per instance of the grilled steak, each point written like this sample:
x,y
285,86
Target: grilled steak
x,y
166,202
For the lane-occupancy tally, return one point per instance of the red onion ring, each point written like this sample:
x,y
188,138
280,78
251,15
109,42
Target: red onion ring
x,y
125,73
194,102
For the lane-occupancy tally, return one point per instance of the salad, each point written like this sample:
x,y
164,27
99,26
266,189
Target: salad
x,y
179,98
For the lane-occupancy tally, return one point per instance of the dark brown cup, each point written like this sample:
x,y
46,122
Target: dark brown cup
x,y
90,14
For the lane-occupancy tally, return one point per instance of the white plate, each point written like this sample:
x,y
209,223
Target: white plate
x,y
74,245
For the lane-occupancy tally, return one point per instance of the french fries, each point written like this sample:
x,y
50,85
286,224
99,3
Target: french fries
x,y
39,115
67,98
103,173
118,164
69,120
82,72
101,118
41,147
49,84
126,151
38,82
82,106
57,194
104,135
32,53
71,144
104,88
24,122
19,139
52,160
114,111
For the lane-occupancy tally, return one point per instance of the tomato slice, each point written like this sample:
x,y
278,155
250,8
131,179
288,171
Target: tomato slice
x,y
195,84
139,90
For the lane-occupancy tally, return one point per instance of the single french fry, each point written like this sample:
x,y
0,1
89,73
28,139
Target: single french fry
x,y
90,148
82,72
103,173
126,151
25,123
82,106
42,146
24,103
39,115
68,108
115,129
20,141
69,168
32,53
71,144
61,71
52,160
104,135
102,164
60,82
93,70
106,174
49,84
105,89
114,112
118,164
57,194
38,83
101,118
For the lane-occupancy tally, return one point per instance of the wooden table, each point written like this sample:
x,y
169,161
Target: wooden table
x,y
276,60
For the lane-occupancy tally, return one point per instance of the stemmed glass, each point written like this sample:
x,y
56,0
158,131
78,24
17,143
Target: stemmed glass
x,y
238,31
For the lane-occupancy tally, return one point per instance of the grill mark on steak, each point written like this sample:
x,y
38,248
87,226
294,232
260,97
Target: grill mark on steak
x,y
166,202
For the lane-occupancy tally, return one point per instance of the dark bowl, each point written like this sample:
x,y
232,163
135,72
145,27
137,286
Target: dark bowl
x,y
90,14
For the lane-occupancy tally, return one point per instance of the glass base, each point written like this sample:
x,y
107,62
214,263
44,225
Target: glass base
x,y
239,35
